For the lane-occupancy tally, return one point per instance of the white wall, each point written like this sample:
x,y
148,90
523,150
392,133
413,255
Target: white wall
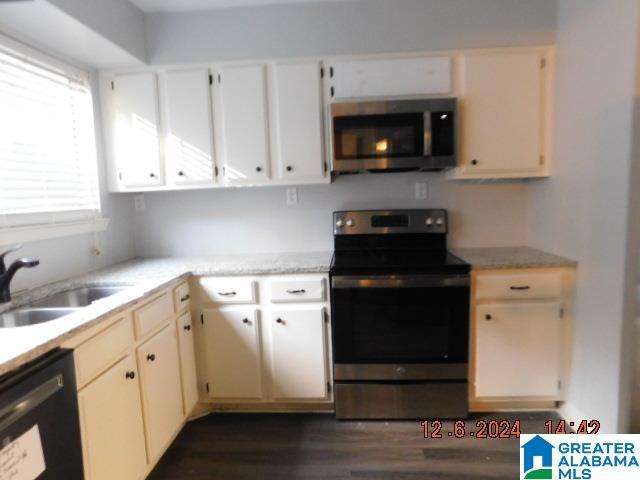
x,y
258,219
582,211
69,256
368,26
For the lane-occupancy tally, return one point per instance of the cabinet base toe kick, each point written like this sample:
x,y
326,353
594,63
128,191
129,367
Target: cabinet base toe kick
x,y
401,400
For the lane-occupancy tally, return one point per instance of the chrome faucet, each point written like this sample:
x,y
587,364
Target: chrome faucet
x,y
6,274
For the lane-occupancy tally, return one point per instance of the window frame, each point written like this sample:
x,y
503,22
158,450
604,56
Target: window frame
x,y
26,227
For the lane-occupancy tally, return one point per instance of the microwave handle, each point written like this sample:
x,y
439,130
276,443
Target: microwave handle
x,y
427,134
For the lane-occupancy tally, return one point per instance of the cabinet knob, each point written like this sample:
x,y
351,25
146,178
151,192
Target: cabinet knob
x,y
181,173
187,328
151,357
130,375
289,168
474,162
245,321
258,169
280,321
488,317
152,175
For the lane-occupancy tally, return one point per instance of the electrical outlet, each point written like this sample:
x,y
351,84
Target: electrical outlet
x,y
138,202
421,191
292,196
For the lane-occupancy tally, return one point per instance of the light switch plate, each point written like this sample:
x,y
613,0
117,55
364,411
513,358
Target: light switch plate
x,y
138,203
292,196
421,191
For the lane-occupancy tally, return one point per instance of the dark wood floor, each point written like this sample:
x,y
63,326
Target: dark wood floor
x,y
306,446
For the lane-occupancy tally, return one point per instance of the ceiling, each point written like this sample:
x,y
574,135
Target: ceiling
x,y
181,5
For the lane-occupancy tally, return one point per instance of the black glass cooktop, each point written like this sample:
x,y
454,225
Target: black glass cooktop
x,y
396,262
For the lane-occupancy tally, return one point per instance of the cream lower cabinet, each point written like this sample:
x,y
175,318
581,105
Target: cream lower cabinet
x,y
187,363
232,339
111,423
519,329
298,354
161,389
264,340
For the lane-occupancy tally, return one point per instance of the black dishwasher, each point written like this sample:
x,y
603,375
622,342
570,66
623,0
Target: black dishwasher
x,y
40,401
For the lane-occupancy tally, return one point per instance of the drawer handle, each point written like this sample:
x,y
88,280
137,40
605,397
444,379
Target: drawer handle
x,y
488,317
280,321
227,294
185,298
245,321
187,328
151,357
525,287
130,375
297,292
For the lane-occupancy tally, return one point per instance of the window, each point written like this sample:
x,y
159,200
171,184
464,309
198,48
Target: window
x,y
48,166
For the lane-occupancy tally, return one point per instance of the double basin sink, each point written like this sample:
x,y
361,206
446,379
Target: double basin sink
x,y
56,306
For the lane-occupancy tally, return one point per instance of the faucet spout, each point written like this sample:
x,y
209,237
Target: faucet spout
x,y
7,276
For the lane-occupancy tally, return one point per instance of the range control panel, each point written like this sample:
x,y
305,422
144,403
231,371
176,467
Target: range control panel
x,y
380,222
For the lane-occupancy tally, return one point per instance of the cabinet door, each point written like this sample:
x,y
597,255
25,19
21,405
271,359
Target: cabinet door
x,y
242,115
187,363
111,424
517,349
297,129
189,143
299,354
233,353
161,391
137,130
502,113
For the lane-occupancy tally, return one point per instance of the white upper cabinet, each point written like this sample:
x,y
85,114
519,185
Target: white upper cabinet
x,y
297,133
390,77
503,128
242,117
189,129
136,130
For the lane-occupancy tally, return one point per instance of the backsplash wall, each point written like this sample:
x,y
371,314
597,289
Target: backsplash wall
x,y
255,220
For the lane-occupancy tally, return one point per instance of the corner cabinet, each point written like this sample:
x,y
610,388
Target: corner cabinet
x,y
520,337
265,341
505,103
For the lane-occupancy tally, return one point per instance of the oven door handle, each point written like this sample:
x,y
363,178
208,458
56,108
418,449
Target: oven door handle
x,y
400,281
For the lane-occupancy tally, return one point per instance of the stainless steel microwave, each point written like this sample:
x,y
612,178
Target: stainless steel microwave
x,y
394,135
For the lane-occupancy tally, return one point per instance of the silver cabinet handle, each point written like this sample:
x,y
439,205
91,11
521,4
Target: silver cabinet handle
x,y
297,292
227,294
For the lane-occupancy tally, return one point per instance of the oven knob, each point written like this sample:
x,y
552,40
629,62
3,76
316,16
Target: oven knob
x,y
429,221
439,221
350,223
340,223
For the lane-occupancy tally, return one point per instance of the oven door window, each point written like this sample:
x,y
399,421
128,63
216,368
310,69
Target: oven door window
x,y
379,136
401,325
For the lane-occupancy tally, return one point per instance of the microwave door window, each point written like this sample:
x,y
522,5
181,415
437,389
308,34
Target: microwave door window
x,y
379,136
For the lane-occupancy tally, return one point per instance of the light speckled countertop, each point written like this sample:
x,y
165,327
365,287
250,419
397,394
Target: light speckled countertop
x,y
493,258
145,277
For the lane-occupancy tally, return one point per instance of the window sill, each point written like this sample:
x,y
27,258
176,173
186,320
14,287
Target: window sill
x,y
32,233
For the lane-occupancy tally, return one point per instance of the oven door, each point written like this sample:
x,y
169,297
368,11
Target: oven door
x,y
393,141
415,326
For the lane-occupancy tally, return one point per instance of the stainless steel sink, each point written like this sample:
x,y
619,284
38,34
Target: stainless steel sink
x,y
32,316
78,297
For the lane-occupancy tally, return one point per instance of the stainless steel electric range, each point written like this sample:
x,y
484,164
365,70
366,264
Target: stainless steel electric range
x,y
400,316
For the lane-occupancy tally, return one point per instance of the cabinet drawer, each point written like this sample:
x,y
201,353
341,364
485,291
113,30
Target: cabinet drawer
x,y
95,355
181,297
519,286
303,290
152,315
229,290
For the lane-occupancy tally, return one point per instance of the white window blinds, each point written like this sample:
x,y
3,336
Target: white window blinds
x,y
47,144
